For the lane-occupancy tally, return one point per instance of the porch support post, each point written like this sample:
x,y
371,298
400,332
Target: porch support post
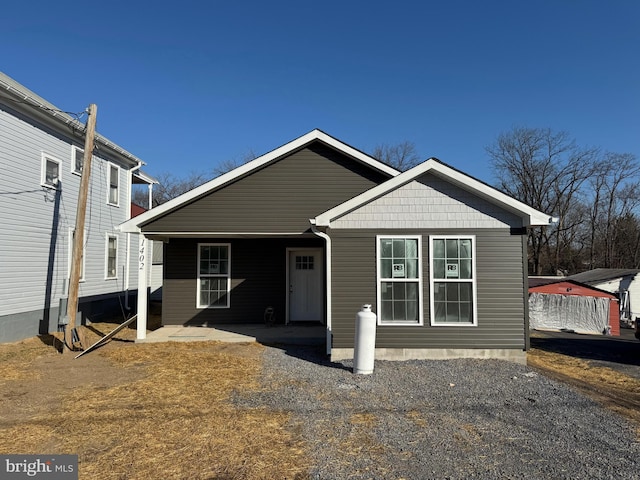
x,y
150,202
143,298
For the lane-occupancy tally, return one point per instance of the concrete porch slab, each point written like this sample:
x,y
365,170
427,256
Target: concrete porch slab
x,y
298,334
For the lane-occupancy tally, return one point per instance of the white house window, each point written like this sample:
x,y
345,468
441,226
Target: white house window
x,y
77,160
453,280
72,234
214,275
50,171
111,263
114,184
399,280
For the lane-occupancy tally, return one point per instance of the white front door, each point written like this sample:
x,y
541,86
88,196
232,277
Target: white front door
x,y
305,285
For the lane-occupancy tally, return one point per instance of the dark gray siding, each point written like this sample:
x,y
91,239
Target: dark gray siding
x,y
258,280
500,290
279,198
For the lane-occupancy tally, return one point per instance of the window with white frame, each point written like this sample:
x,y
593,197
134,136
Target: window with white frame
x,y
399,280
214,275
453,280
50,171
77,160
114,185
72,234
111,257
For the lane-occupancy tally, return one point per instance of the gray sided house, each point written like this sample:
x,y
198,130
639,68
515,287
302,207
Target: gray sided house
x,y
316,228
41,155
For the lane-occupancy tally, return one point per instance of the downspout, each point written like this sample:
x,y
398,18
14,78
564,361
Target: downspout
x,y
327,240
127,273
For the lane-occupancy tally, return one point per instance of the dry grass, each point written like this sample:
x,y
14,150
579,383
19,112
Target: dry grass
x,y
613,389
15,358
175,420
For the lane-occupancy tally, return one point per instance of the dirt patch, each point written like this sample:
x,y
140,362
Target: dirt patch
x,y
145,410
40,385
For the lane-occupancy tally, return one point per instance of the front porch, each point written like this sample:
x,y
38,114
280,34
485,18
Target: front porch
x,y
292,334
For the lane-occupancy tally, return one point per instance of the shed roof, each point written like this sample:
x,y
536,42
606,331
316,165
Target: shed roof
x,y
537,281
564,282
602,275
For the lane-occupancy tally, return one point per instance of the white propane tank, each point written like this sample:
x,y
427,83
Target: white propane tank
x,y
365,341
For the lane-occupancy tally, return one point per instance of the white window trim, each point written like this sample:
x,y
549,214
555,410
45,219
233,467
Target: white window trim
x,y
74,149
84,255
227,276
473,281
43,171
420,321
106,256
109,167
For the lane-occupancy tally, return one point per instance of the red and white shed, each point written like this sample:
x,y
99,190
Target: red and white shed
x,y
560,304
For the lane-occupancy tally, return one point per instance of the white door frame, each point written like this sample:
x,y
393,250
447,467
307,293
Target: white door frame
x,y
320,251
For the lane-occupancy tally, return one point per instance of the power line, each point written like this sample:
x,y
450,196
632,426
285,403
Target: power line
x,y
75,115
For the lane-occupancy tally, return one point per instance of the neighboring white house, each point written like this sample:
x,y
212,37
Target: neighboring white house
x,y
623,282
41,155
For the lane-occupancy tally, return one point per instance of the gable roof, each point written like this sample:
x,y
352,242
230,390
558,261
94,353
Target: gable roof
x,y
602,274
530,216
316,135
537,283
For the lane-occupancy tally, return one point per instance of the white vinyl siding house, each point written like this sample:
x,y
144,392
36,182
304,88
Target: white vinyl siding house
x,y
40,184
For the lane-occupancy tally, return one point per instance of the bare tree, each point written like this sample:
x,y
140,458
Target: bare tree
x,y
170,186
231,164
546,170
401,156
615,198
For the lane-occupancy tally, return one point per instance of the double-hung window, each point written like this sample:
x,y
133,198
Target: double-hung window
x,y
453,280
114,185
214,275
50,175
77,160
111,257
399,280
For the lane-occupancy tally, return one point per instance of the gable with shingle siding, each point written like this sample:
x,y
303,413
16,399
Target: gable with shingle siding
x,y
429,202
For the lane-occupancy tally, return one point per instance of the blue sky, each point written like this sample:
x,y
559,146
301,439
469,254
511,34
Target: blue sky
x,y
186,84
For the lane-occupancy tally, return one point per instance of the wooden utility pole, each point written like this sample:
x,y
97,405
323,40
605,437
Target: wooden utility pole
x,y
78,239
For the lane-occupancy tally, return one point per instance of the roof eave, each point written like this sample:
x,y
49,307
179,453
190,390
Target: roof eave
x,y
530,216
49,113
273,155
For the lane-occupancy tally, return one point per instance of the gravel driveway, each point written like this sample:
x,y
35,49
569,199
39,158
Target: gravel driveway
x,y
453,419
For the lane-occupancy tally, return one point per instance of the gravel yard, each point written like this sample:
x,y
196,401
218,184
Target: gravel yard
x,y
443,419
